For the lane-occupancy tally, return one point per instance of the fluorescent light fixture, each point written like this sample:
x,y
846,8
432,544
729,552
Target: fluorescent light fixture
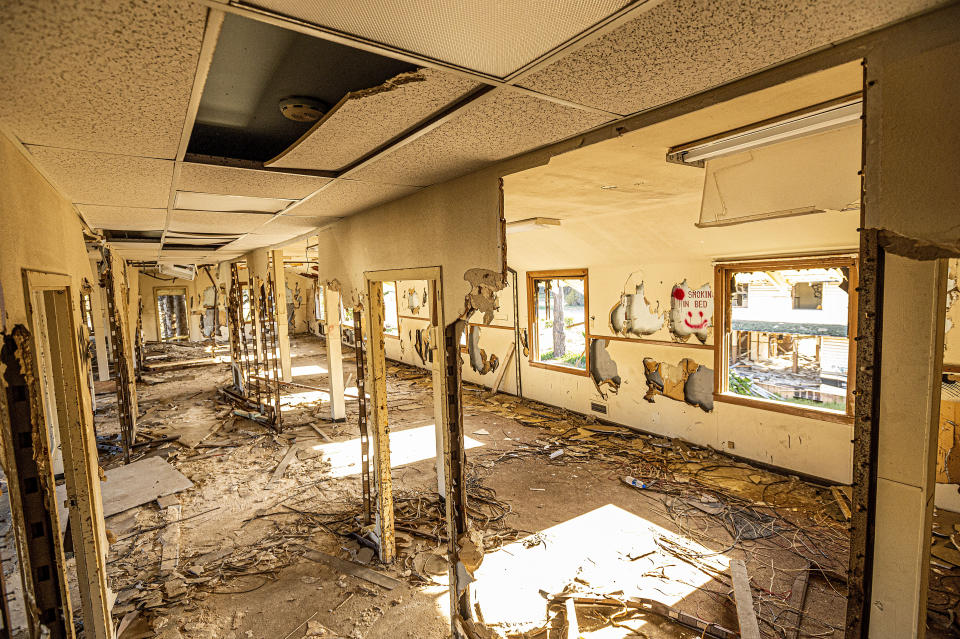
x,y
532,224
193,201
817,120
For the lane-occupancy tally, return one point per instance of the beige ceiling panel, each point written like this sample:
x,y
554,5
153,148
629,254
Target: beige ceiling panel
x,y
111,75
215,222
495,38
103,178
293,226
123,218
225,180
365,120
345,197
682,47
505,125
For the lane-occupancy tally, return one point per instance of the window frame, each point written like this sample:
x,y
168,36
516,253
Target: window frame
x,y
723,272
534,337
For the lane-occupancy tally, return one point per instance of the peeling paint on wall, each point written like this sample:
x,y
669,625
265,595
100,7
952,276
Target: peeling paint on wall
x,y
484,285
687,382
633,315
479,361
603,369
422,346
691,312
414,300
524,341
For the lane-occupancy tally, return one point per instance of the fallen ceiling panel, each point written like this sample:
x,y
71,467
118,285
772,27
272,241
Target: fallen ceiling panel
x,y
208,178
505,125
365,120
292,225
104,178
345,197
495,38
209,221
682,47
133,100
123,217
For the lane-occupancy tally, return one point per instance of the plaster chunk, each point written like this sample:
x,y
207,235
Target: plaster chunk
x,y
633,315
691,312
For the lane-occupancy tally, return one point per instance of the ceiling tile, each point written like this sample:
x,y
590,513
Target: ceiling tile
x,y
365,120
215,222
501,126
683,47
123,218
111,75
208,178
495,38
107,179
345,197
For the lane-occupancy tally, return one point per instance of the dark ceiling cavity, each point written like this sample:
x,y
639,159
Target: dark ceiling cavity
x,y
255,66
132,236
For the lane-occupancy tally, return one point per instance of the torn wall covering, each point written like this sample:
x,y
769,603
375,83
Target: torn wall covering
x,y
414,300
633,315
479,361
422,345
603,370
691,312
687,382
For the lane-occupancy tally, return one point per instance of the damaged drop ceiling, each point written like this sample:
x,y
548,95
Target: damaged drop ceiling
x,y
186,96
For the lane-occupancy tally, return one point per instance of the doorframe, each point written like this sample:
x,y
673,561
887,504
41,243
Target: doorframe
x,y
156,309
448,416
63,339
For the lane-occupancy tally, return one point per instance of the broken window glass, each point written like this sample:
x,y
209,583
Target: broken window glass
x,y
790,344
560,317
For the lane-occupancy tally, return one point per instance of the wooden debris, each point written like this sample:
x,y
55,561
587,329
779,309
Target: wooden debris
x,y
354,569
841,500
749,628
501,371
282,466
170,540
798,596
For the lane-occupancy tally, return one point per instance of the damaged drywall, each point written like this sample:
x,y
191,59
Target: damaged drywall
x,y
422,344
484,285
479,361
603,370
414,299
687,382
634,315
691,312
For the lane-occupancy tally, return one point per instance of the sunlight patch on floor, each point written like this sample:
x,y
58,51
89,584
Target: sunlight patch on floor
x,y
308,369
406,447
609,548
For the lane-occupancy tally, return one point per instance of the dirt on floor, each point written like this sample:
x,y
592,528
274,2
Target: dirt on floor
x,y
566,506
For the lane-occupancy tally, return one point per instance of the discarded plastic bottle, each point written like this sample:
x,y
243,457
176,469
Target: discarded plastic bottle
x,y
636,483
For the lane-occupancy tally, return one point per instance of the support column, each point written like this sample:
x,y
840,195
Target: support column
x,y
377,385
338,404
439,382
280,292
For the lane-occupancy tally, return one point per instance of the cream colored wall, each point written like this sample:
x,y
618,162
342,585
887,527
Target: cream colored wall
x,y
40,230
454,225
194,291
304,313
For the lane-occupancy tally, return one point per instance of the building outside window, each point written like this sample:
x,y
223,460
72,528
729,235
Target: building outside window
x,y
790,346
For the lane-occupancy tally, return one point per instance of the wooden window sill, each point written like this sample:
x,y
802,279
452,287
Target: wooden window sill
x,y
561,369
788,409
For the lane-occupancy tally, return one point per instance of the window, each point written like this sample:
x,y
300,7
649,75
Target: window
x,y
346,316
557,311
391,321
172,314
739,297
776,353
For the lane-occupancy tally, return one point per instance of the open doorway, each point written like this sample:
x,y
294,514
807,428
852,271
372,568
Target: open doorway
x,y
172,314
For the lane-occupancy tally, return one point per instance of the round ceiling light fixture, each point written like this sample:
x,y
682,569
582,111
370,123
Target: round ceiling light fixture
x,y
301,108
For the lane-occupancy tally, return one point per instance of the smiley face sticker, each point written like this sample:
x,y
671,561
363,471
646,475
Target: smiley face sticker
x,y
691,311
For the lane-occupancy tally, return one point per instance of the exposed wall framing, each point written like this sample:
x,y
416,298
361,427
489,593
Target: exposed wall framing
x,y
865,428
118,294
32,491
359,350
